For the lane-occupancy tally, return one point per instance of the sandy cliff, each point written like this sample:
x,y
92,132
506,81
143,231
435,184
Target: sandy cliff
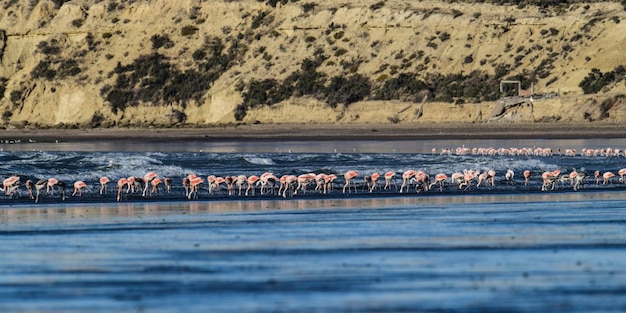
x,y
61,60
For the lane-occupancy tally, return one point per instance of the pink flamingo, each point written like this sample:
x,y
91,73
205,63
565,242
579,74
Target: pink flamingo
x,y
388,177
155,185
120,185
78,188
526,177
374,177
439,179
147,179
348,176
406,179
194,184
253,179
103,184
607,178
9,185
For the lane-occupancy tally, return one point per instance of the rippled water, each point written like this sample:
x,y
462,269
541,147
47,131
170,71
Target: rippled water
x,y
509,248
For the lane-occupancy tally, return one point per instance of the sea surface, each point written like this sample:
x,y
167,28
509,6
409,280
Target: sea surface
x,y
506,248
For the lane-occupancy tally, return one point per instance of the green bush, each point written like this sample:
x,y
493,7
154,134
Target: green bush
x,y
48,49
188,30
77,22
596,80
3,86
308,7
347,90
43,70
377,5
258,19
159,41
16,97
67,68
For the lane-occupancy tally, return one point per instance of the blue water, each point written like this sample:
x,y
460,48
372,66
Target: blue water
x,y
506,248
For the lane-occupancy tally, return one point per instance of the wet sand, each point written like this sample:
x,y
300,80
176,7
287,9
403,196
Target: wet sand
x,y
327,132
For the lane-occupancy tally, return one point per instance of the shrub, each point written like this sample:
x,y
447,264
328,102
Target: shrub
x,y
456,13
309,6
444,36
341,90
68,68
42,69
340,52
106,35
48,48
77,22
59,3
596,80
16,97
188,30
159,41
258,19
3,86
377,5
198,55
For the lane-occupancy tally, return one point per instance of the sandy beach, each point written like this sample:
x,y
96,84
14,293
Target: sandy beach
x,y
328,132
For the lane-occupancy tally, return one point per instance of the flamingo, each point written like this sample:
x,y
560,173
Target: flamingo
x,y
147,179
622,175
240,181
50,183
388,177
348,176
78,188
607,178
579,180
168,184
328,182
39,185
406,179
526,177
217,183
288,181
155,185
253,179
491,176
210,181
9,185
185,182
304,180
266,179
508,177
439,179
421,180
229,181
194,182
103,184
468,176
120,185
29,187
374,177
482,177
549,179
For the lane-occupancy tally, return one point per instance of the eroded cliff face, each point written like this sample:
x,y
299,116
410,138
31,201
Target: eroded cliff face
x,y
88,63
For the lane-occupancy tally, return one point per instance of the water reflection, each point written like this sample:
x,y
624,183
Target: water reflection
x,y
348,146
26,214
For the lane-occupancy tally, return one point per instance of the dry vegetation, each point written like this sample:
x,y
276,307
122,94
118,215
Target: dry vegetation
x,y
89,63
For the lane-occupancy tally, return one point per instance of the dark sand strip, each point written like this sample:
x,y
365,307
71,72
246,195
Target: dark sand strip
x,y
328,132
